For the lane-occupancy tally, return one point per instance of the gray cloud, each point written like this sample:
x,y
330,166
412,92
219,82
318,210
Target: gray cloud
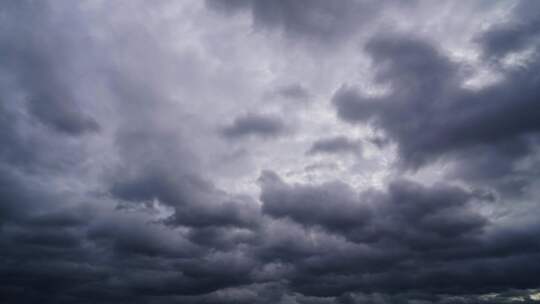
x,y
315,19
454,122
254,125
116,188
338,144
311,206
293,91
408,231
41,69
196,202
338,208
514,35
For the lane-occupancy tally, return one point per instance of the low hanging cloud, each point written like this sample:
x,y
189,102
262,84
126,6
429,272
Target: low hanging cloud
x,y
407,238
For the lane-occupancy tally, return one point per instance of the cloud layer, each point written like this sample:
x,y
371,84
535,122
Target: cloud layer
x,y
250,151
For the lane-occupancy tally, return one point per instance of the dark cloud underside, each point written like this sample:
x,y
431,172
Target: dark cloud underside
x,y
338,144
254,125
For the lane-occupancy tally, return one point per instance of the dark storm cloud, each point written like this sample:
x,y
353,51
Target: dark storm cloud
x,y
406,239
65,247
57,254
126,208
428,214
311,206
196,202
338,144
514,35
431,116
42,243
252,124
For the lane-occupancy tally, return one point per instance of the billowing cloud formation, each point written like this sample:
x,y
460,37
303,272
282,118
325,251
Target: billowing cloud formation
x,y
424,81
430,115
409,238
163,152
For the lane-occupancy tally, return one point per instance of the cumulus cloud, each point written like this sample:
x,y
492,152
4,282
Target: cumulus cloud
x,y
406,238
431,116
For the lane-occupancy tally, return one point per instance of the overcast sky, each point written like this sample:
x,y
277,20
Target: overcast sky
x,y
269,151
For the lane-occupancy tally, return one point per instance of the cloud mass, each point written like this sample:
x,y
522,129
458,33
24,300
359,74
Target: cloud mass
x,y
246,151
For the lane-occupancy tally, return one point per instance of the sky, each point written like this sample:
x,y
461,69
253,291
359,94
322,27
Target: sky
x,y
269,151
